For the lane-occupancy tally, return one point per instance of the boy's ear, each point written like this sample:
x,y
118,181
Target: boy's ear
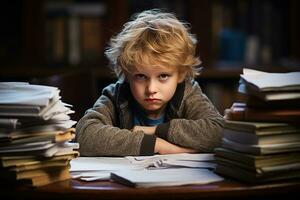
x,y
182,76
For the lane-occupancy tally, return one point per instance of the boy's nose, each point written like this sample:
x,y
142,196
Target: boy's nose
x,y
151,87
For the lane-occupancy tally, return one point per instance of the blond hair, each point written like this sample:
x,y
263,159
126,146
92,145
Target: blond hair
x,y
153,38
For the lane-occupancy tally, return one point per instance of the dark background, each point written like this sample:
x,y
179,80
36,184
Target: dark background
x,y
61,43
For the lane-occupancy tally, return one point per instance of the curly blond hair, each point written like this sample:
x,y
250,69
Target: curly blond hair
x,y
153,38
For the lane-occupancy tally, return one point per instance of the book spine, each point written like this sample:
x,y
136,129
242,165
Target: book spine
x,y
248,114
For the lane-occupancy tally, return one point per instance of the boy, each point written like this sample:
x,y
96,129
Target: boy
x,y
155,106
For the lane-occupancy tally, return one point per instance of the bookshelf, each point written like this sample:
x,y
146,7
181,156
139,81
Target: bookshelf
x,y
48,37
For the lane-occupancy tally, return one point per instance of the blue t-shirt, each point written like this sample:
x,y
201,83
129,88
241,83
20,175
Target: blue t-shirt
x,y
141,119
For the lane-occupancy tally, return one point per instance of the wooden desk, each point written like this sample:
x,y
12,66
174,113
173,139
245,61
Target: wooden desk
x,y
74,189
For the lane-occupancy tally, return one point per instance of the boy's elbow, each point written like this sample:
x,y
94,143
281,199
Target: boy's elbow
x,y
83,138
217,135
214,137
83,150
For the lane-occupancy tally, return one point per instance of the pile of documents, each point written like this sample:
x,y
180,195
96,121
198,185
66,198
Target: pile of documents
x,y
261,139
148,171
35,134
272,97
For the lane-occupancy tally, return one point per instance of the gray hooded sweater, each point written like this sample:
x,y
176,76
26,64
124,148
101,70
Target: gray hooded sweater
x,y
191,121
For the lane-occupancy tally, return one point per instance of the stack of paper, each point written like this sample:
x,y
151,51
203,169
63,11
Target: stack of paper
x,y
272,97
19,99
262,135
148,171
265,81
35,130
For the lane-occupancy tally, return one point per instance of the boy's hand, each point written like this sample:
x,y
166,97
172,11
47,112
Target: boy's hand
x,y
164,147
150,130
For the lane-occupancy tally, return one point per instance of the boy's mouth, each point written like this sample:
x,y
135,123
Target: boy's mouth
x,y
151,100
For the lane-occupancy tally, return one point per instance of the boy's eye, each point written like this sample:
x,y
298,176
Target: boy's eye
x,y
140,76
164,77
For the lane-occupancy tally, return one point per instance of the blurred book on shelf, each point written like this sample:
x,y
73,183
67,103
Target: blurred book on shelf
x,y
254,33
74,32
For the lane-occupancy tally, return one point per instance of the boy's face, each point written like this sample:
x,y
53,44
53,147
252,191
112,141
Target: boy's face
x,y
153,87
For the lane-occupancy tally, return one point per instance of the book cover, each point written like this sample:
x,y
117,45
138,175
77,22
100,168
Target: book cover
x,y
252,138
268,96
258,161
240,112
261,128
23,161
46,179
240,174
23,137
28,174
165,177
255,102
263,170
261,149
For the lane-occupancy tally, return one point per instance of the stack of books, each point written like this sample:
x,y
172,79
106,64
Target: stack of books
x,y
35,134
261,140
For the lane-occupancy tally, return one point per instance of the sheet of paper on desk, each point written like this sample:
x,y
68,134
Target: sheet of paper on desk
x,y
174,160
85,164
185,163
92,175
131,162
99,168
180,156
165,177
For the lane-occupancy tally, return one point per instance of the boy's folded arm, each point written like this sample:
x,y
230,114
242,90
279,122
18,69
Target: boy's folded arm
x,y
203,134
99,139
98,136
164,147
199,129
149,130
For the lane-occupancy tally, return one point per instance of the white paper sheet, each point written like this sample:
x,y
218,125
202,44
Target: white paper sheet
x,y
272,81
